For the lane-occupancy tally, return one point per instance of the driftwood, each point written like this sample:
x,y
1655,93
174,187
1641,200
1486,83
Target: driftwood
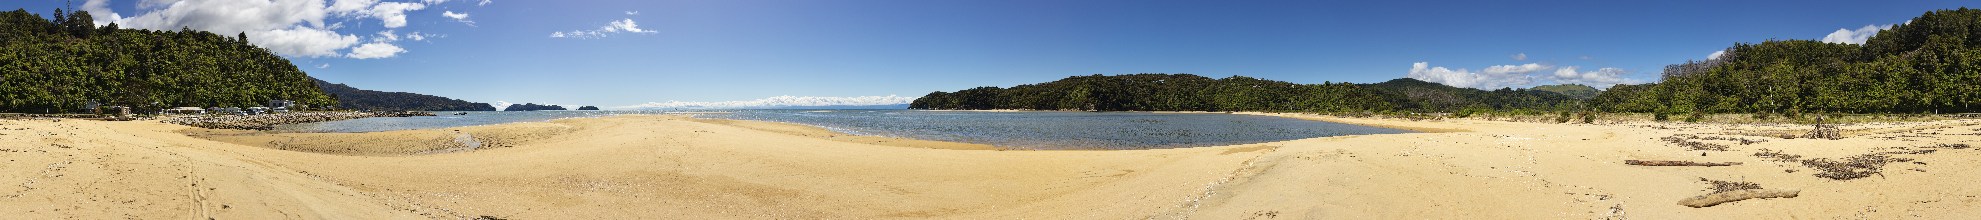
x,y
1676,163
1710,200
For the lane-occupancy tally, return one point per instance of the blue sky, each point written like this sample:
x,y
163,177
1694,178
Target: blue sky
x,y
625,53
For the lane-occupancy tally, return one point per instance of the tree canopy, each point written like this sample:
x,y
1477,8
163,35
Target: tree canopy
x,y
60,65
1932,64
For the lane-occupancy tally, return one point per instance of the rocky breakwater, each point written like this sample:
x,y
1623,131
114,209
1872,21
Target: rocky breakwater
x,y
264,121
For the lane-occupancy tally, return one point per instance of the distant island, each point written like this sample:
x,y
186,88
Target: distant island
x,y
360,99
593,108
532,107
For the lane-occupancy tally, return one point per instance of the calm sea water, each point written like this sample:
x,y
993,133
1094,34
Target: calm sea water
x,y
1015,130
445,120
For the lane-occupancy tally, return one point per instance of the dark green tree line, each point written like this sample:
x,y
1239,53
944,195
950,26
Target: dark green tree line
x,y
59,65
1932,64
1185,92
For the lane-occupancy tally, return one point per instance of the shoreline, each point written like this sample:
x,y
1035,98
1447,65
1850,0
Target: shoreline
x,y
646,166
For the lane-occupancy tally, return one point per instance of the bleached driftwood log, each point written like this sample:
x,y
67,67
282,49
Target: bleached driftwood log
x,y
1676,163
1710,200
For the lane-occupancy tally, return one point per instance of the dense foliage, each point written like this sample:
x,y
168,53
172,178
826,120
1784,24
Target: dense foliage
x,y
61,65
1932,64
532,107
359,99
1577,91
1185,92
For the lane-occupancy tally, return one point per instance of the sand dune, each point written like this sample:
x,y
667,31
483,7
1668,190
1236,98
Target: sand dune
x,y
674,167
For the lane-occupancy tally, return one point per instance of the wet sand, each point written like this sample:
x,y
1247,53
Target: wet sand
x,y
663,166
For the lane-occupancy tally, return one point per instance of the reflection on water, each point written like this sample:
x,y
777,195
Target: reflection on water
x,y
1015,130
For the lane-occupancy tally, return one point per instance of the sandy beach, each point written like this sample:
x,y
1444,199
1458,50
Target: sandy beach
x,y
676,167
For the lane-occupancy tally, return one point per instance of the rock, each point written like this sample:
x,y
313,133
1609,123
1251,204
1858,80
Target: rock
x,y
264,121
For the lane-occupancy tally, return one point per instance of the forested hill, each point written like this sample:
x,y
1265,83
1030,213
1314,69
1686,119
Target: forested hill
x,y
359,99
1577,91
1185,92
1932,64
49,66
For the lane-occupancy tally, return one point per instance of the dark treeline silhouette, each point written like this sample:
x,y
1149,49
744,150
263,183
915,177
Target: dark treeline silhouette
x,y
1186,92
1932,64
532,107
61,65
359,99
590,108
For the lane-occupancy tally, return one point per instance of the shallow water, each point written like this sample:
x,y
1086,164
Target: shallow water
x,y
1012,130
445,120
1064,130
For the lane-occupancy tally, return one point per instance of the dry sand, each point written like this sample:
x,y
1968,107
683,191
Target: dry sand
x,y
674,167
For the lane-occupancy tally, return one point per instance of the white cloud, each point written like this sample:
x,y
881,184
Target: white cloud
x,y
1716,55
483,3
1517,76
351,6
1848,36
1496,77
779,101
303,41
632,12
499,105
385,36
323,66
1520,56
458,17
622,25
376,50
432,2
298,28
393,14
1516,69
1601,78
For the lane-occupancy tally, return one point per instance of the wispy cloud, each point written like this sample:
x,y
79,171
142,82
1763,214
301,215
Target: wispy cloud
x,y
458,17
1858,36
1716,55
622,25
376,50
632,12
779,101
1520,57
